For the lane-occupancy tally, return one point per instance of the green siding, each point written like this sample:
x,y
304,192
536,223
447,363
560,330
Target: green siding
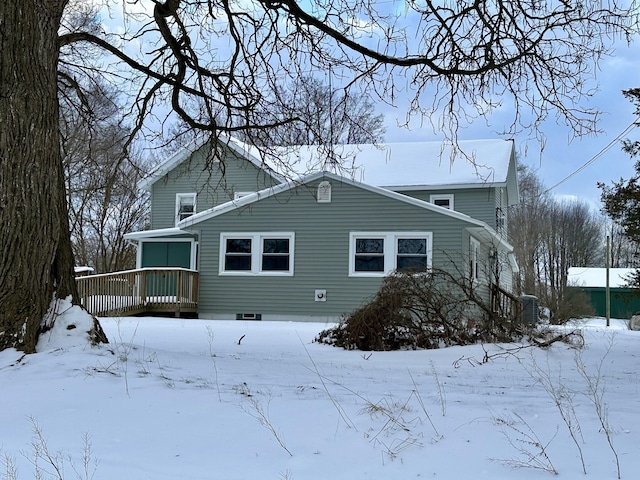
x,y
478,203
321,250
624,302
213,182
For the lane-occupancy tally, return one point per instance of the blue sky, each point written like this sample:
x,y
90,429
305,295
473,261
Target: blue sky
x,y
563,155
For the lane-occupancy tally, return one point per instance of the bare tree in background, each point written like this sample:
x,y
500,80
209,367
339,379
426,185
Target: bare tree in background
x,y
527,222
331,116
101,176
218,63
104,204
572,238
625,252
549,236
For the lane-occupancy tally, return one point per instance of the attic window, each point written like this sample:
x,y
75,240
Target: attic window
x,y
442,200
185,205
324,192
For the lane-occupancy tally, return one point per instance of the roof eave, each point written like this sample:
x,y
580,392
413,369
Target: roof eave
x,y
170,163
162,232
442,186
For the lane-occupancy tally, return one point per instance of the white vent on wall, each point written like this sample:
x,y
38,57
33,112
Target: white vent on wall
x,y
324,192
321,295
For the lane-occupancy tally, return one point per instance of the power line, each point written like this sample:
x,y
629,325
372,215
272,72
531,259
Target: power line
x,y
630,127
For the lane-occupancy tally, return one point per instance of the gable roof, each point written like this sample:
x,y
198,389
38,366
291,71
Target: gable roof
x,y
232,205
183,154
394,166
414,165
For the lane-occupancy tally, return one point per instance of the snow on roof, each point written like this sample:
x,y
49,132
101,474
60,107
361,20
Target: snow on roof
x,y
416,164
397,166
82,269
597,277
162,232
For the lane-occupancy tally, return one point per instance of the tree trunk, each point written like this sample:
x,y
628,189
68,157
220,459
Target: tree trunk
x,y
36,259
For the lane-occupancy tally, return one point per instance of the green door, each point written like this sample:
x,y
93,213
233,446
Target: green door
x,y
164,254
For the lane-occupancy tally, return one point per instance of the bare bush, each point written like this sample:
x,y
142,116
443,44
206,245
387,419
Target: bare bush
x,y
48,463
563,399
531,451
595,383
574,303
261,414
422,311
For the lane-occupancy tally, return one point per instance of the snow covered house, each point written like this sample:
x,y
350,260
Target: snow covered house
x,y
273,247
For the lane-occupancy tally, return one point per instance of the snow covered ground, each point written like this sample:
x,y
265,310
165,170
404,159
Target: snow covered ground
x,y
194,399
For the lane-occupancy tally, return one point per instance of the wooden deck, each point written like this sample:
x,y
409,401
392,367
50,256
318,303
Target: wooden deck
x,y
146,290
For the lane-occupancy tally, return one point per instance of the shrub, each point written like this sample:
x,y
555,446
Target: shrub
x,y
421,311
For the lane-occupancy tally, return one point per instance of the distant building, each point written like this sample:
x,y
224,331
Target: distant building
x,y
625,301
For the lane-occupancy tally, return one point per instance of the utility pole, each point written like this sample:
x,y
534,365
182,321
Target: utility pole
x,y
607,299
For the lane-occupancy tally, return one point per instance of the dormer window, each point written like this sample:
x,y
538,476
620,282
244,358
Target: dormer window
x,y
185,205
444,200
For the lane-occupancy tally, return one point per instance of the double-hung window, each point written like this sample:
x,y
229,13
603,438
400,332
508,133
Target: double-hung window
x,y
256,253
185,205
376,254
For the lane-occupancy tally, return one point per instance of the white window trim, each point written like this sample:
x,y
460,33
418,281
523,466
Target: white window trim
x,y
179,196
442,196
474,256
390,250
256,253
